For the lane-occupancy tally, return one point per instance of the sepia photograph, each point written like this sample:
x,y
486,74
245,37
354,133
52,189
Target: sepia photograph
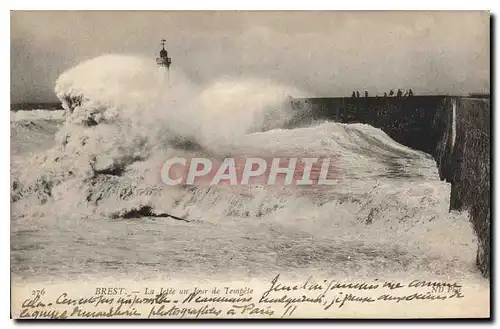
x,y
250,164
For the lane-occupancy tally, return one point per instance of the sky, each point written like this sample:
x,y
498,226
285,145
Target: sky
x,y
324,53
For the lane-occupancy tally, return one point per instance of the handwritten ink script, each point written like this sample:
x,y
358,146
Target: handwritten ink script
x,y
276,298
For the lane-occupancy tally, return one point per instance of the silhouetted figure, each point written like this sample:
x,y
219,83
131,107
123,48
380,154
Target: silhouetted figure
x,y
410,93
400,93
391,93
385,94
353,94
366,94
357,94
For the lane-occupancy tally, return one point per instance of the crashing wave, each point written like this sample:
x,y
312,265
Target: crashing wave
x,y
121,122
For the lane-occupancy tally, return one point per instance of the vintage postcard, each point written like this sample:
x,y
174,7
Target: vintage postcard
x,y
250,164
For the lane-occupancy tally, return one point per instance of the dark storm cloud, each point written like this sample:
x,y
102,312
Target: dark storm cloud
x,y
325,53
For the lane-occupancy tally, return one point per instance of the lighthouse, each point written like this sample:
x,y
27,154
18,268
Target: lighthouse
x,y
164,61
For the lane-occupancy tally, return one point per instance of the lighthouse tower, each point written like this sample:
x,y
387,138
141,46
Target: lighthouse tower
x,y
164,61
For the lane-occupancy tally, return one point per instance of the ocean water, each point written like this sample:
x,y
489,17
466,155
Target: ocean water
x,y
385,216
392,218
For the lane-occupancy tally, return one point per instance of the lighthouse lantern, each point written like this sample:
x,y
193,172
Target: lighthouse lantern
x,y
163,60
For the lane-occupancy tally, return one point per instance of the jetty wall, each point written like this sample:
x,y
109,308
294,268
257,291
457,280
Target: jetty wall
x,y
463,156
